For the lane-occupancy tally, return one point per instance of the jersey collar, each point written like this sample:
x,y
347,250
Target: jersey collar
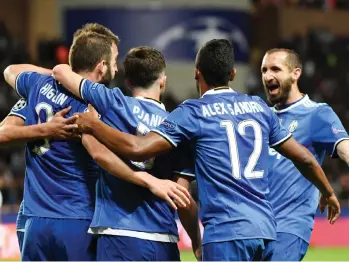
x,y
219,90
153,101
299,102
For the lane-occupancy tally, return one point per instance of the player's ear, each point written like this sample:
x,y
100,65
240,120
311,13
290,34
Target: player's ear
x,y
128,84
232,74
100,67
296,74
197,74
163,83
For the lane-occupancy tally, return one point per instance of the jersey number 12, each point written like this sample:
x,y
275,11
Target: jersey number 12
x,y
249,171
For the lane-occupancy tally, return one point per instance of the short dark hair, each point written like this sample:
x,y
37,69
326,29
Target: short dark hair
x,y
97,28
215,61
88,49
143,65
293,59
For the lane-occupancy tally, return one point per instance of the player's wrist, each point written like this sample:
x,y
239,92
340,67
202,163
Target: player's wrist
x,y
148,181
328,193
45,130
95,126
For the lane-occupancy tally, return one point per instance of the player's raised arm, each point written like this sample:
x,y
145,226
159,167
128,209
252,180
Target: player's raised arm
x,y
165,189
12,71
304,160
70,80
137,148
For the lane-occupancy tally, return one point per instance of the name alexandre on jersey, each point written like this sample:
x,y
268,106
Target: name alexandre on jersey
x,y
52,94
237,108
150,119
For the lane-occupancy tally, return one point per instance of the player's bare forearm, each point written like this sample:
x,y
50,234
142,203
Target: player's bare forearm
x,y
112,163
69,79
306,163
165,189
14,133
190,220
343,151
11,72
137,148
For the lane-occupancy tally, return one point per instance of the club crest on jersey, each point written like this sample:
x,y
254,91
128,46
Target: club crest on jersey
x,y
19,105
293,126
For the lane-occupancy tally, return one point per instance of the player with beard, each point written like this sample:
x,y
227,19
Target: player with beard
x,y
16,130
230,134
60,178
315,126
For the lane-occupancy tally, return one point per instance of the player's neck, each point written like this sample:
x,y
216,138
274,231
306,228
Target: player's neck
x,y
293,96
90,76
208,88
153,93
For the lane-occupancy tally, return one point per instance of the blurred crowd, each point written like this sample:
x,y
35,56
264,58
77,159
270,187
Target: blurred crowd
x,y
318,4
325,78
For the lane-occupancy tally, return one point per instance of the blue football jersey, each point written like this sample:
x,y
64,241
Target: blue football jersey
x,y
124,208
60,175
20,109
231,134
294,198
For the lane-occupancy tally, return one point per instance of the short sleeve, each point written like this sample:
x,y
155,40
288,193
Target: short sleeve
x,y
100,96
278,134
25,81
180,125
20,109
327,130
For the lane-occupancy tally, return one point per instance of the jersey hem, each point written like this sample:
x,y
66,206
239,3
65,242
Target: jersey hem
x,y
75,218
158,237
334,151
238,238
81,86
164,136
16,86
18,115
184,174
292,233
282,140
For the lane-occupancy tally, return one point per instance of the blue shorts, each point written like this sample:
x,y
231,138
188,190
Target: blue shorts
x,y
122,248
20,237
289,247
58,239
238,250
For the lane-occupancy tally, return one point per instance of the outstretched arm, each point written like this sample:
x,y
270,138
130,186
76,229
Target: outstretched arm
x,y
13,131
311,170
11,72
137,148
70,80
168,190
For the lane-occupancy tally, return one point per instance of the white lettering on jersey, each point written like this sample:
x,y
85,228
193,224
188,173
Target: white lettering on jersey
x,y
238,108
53,95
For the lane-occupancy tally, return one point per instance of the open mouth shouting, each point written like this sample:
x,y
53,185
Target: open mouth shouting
x,y
273,88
